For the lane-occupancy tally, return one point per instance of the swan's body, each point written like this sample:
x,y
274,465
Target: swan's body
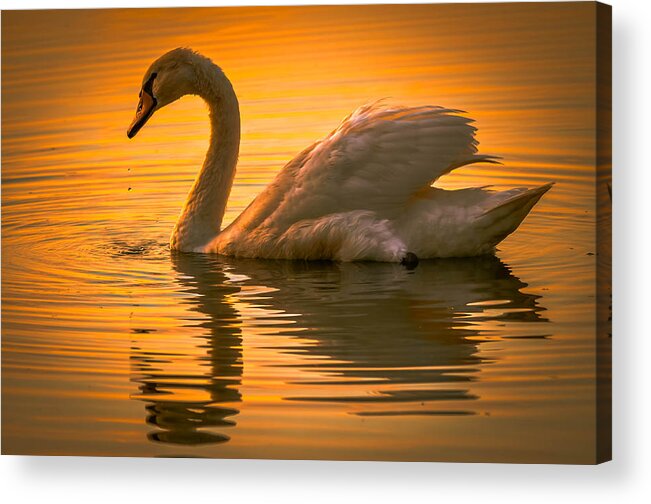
x,y
362,193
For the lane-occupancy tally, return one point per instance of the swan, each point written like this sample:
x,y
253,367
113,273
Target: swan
x,y
363,193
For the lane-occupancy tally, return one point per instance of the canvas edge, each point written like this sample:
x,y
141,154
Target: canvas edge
x,y
603,232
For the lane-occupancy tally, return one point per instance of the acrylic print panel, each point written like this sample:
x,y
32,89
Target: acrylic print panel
x,y
352,312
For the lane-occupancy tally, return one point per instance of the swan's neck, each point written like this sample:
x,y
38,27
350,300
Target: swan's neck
x,y
202,215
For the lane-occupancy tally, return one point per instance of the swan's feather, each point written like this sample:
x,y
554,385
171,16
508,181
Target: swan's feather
x,y
464,222
364,193
381,155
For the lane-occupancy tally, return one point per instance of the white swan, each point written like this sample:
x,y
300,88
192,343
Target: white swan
x,y
362,193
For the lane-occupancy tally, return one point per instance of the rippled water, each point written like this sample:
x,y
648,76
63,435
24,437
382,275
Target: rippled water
x,y
113,345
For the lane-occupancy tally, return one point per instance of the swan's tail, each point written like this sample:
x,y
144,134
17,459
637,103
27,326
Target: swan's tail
x,y
502,219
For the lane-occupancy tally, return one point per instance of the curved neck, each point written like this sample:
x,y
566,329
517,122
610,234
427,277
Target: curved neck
x,y
201,218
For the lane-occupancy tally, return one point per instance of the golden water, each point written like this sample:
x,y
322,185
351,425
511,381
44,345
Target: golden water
x,y
112,345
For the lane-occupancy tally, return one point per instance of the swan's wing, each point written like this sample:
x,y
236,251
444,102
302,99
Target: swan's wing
x,y
377,159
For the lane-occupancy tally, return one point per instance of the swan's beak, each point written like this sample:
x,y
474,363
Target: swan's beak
x,y
146,107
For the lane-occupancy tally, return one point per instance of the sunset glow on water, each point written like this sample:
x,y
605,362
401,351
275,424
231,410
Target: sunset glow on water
x,y
113,345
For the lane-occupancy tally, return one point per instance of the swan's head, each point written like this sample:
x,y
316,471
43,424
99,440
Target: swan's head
x,y
166,80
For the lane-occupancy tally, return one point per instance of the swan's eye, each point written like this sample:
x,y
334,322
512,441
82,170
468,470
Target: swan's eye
x,y
139,105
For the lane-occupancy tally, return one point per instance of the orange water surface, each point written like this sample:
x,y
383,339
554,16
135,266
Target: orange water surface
x,y
113,345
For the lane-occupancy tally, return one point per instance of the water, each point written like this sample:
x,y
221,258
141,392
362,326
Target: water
x,y
113,345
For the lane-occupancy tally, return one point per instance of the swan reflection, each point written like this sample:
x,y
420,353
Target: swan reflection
x,y
186,391
388,341
373,337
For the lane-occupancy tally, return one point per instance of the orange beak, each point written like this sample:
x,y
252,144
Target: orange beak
x,y
146,107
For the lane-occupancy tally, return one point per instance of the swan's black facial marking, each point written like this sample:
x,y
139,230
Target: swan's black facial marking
x,y
148,86
146,106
